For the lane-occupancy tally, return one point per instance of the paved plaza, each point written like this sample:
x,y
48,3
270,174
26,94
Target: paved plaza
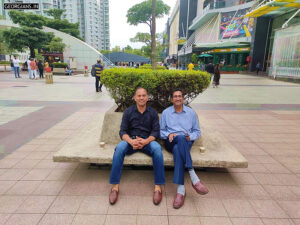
x,y
259,116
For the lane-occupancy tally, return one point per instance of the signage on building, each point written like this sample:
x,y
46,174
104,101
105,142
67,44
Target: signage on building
x,y
227,50
235,25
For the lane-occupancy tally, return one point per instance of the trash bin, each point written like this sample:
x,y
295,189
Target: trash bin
x,y
49,77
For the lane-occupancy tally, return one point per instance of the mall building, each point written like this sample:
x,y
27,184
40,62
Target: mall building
x,y
238,34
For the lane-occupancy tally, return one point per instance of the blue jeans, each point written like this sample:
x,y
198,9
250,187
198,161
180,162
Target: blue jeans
x,y
181,149
153,149
17,71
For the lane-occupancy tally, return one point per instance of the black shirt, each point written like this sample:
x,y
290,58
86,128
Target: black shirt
x,y
136,124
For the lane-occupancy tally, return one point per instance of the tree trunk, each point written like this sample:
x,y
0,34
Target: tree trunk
x,y
32,53
153,32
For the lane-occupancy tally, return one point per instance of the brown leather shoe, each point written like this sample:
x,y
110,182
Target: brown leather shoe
x,y
200,188
157,197
113,196
178,201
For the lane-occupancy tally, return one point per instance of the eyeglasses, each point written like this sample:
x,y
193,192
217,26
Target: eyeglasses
x,y
177,96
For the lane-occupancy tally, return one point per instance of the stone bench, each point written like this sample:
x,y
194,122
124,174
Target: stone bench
x,y
84,147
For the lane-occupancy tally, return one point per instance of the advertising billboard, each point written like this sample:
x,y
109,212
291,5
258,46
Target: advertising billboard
x,y
234,25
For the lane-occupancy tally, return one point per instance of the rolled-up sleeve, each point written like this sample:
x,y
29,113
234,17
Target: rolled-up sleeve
x,y
125,124
155,125
163,127
196,132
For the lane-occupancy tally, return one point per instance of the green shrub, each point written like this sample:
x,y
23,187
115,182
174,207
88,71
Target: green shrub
x,y
121,84
4,63
59,65
149,67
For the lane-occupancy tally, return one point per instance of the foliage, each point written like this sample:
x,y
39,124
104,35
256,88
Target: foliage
x,y
142,37
64,26
57,45
20,38
142,12
4,63
59,65
116,49
121,83
104,51
149,67
55,13
194,58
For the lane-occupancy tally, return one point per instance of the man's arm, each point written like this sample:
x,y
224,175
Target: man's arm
x,y
196,132
163,126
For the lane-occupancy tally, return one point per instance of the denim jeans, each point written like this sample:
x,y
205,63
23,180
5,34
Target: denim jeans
x,y
180,147
17,71
153,149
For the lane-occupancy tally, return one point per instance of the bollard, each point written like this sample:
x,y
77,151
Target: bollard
x,y
49,78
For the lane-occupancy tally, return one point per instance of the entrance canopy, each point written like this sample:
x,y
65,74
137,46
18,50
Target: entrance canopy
x,y
227,44
275,7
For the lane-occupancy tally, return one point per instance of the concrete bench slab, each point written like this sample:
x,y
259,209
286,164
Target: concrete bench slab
x,y
84,147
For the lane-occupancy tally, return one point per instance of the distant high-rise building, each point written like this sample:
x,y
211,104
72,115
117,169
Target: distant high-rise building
x,y
92,16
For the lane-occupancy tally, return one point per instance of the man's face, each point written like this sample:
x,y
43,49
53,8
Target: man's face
x,y
141,97
177,98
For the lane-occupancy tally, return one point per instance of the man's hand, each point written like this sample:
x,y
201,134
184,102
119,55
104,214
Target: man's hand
x,y
134,143
142,142
171,137
187,136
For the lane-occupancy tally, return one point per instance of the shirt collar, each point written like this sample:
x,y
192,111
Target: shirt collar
x,y
135,108
183,109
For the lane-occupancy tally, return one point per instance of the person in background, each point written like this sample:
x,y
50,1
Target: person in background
x,y
191,66
34,68
41,68
217,76
258,67
16,66
96,72
29,68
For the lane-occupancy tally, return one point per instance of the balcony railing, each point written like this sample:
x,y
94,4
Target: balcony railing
x,y
218,4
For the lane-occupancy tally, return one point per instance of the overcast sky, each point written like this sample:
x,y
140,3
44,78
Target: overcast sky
x,y
121,31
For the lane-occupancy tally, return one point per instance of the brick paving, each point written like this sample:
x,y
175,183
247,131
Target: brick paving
x,y
260,117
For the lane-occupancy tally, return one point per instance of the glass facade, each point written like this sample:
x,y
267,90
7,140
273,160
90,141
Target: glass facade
x,y
285,60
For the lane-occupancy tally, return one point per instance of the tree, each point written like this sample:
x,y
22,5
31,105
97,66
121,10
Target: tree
x,y
146,12
142,37
20,38
27,19
57,45
55,13
116,49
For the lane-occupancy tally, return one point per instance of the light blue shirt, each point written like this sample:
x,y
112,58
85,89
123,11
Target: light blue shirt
x,y
172,122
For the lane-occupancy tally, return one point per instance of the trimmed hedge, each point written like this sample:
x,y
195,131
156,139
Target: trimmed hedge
x,y
59,65
149,67
122,82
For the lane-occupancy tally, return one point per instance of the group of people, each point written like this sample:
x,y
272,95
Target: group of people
x,y
140,128
33,67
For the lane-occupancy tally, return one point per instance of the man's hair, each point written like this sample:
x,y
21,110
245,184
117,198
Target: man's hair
x,y
138,88
175,91
99,61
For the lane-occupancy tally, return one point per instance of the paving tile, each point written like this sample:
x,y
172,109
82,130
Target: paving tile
x,y
14,174
23,188
210,207
17,155
277,222
9,204
2,171
57,219
49,188
37,155
231,191
4,218
5,185
257,168
281,192
254,192
121,219
28,148
188,209
243,178
8,163
146,206
46,164
295,190
27,163
296,221
246,221
94,205
36,204
239,208
59,175
125,205
295,168
292,208
37,174
187,220
268,209
89,220
215,221
276,168
150,220
276,179
24,219
65,204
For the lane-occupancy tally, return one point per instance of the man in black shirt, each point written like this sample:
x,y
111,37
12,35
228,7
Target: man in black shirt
x,y
139,130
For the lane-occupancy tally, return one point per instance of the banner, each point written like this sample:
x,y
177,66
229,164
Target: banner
x,y
234,25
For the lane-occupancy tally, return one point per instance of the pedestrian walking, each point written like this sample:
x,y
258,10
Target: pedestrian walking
x,y
33,67
96,72
210,69
258,67
16,67
29,68
41,68
217,76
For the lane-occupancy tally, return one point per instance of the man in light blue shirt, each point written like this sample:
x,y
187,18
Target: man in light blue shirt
x,y
179,128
